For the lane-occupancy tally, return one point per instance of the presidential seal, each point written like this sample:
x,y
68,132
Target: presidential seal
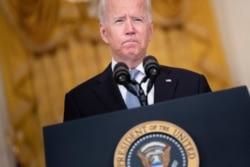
x,y
156,144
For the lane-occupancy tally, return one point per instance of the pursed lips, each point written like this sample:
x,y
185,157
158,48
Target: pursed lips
x,y
130,41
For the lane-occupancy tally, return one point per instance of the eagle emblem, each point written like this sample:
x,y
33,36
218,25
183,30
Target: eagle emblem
x,y
155,154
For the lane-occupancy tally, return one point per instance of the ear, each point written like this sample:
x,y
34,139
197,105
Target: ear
x,y
103,32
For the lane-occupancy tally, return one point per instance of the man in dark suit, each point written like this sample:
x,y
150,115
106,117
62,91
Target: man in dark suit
x,y
127,27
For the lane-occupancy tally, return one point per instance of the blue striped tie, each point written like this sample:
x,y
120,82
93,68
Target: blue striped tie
x,y
131,100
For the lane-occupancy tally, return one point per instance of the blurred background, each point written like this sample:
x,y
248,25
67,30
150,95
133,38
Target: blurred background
x,y
48,47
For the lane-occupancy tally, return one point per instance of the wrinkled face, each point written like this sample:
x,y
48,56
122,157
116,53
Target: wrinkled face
x,y
127,29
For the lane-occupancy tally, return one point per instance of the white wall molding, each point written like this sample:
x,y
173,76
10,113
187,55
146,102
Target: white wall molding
x,y
6,154
233,19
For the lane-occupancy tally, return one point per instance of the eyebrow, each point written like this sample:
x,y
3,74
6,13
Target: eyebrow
x,y
118,17
122,17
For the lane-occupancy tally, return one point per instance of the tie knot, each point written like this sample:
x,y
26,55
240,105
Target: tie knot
x,y
133,73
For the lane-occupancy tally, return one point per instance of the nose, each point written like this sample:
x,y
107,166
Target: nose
x,y
130,29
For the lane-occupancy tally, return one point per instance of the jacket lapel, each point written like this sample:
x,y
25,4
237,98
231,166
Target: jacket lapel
x,y
108,92
165,86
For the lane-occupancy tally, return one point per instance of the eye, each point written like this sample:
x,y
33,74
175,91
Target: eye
x,y
119,21
138,20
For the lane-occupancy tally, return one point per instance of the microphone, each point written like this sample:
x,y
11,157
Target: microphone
x,y
152,70
122,76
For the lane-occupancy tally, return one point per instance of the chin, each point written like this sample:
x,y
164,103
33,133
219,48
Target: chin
x,y
134,57
132,53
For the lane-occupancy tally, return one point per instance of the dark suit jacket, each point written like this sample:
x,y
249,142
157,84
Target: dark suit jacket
x,y
101,94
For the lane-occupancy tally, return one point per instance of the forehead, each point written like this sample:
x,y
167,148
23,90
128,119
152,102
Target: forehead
x,y
120,7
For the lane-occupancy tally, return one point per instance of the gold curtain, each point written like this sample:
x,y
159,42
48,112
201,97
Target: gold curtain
x,y
186,36
49,46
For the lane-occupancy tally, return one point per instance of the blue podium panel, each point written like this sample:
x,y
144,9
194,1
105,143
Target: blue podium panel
x,y
218,122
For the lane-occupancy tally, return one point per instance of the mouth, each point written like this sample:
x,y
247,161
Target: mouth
x,y
129,42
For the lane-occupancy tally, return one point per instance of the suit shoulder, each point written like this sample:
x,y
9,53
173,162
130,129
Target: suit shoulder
x,y
179,71
85,85
188,78
92,82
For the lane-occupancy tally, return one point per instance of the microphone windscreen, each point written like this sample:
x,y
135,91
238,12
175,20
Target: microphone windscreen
x,y
151,66
121,73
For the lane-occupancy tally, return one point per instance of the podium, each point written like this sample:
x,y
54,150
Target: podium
x,y
218,123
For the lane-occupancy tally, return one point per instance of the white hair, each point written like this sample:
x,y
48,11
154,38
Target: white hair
x,y
102,8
